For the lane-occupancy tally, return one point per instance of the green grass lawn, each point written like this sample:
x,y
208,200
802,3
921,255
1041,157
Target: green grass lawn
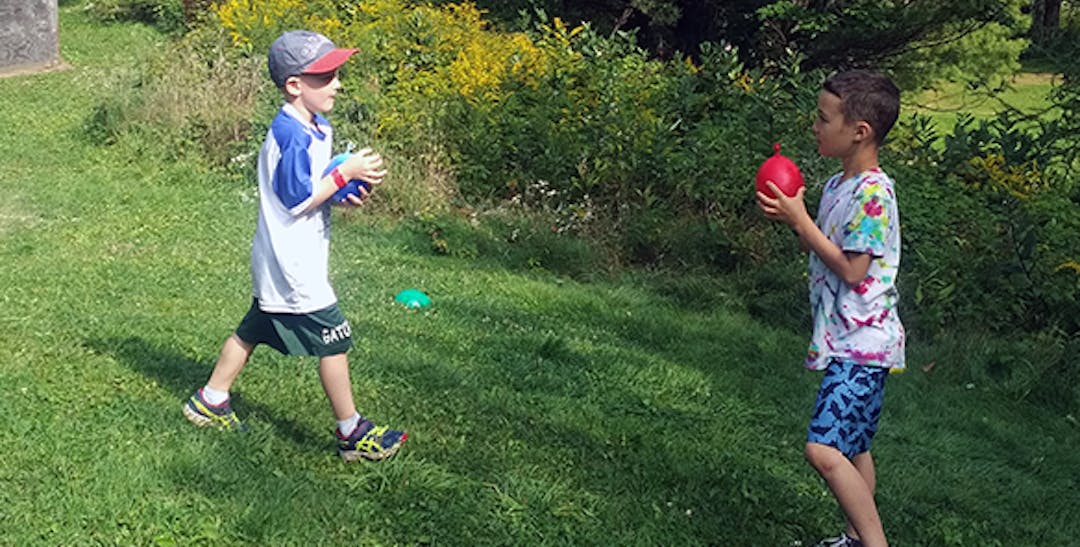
x,y
541,409
1027,92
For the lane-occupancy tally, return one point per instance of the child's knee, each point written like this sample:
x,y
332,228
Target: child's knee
x,y
823,458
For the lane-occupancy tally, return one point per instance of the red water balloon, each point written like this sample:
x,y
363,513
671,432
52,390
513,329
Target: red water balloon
x,y
782,172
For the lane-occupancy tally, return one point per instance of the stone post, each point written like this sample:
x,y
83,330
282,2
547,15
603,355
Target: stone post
x,y
29,35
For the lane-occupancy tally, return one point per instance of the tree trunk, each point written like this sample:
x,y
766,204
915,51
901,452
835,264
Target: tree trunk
x,y
1051,15
1045,19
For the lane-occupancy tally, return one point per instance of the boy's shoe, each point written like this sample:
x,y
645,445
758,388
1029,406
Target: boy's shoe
x,y
369,442
843,540
202,414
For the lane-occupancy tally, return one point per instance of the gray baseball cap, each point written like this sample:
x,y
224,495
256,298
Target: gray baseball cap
x,y
303,52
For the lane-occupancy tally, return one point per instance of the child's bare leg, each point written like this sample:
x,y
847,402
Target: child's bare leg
x,y
357,437
864,464
234,355
209,406
855,495
334,374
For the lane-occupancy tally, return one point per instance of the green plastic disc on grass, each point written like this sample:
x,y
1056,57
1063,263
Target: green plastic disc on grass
x,y
412,299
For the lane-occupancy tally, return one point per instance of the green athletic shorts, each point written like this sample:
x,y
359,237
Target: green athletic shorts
x,y
320,333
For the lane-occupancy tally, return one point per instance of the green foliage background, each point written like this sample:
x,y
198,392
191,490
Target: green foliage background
x,y
588,135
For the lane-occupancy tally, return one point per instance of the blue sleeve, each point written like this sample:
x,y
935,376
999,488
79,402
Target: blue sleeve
x,y
292,178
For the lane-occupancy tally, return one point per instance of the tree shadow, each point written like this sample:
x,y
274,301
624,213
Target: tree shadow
x,y
181,375
527,387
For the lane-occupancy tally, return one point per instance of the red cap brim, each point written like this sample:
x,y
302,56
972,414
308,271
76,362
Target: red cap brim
x,y
330,62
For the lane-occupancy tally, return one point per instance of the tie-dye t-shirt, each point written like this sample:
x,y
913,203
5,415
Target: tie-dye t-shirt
x,y
858,323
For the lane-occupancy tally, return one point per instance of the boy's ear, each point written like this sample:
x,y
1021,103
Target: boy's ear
x,y
292,86
863,131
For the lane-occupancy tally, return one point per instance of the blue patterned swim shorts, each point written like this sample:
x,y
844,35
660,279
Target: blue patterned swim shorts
x,y
848,407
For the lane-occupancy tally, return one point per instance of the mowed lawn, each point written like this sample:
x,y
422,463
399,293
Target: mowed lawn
x,y
1027,92
542,409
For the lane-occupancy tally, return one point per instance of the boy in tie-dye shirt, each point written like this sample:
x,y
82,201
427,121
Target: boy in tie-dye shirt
x,y
858,323
854,257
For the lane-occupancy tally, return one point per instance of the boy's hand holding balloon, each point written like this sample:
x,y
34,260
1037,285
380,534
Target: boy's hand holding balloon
x,y
782,172
780,189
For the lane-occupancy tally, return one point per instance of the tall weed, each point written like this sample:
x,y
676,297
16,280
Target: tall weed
x,y
206,107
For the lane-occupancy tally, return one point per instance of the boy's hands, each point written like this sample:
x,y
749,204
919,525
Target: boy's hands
x,y
365,165
789,210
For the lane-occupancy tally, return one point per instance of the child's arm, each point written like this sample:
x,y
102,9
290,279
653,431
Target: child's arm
x,y
365,165
849,267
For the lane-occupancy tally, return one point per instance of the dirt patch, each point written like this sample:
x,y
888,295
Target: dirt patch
x,y
24,70
1035,78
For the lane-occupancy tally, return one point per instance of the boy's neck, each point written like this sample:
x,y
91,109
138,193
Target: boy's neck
x,y
305,115
863,159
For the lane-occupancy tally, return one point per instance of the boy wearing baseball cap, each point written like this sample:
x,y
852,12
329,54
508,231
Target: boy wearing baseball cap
x,y
294,309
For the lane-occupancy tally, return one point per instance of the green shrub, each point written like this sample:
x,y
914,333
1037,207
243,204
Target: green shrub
x,y
165,15
987,220
653,152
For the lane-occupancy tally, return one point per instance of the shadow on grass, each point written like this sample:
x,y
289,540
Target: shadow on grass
x,y
531,466
517,246
561,429
181,375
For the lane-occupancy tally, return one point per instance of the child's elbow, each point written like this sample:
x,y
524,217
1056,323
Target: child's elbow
x,y
853,278
856,268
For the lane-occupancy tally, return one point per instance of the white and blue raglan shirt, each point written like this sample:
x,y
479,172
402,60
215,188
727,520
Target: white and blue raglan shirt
x,y
290,252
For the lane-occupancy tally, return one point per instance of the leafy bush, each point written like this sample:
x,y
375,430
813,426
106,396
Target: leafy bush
x,y
990,217
641,141
253,26
986,222
654,152
165,15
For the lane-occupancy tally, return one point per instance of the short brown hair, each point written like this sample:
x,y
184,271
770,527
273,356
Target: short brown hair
x,y
867,96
